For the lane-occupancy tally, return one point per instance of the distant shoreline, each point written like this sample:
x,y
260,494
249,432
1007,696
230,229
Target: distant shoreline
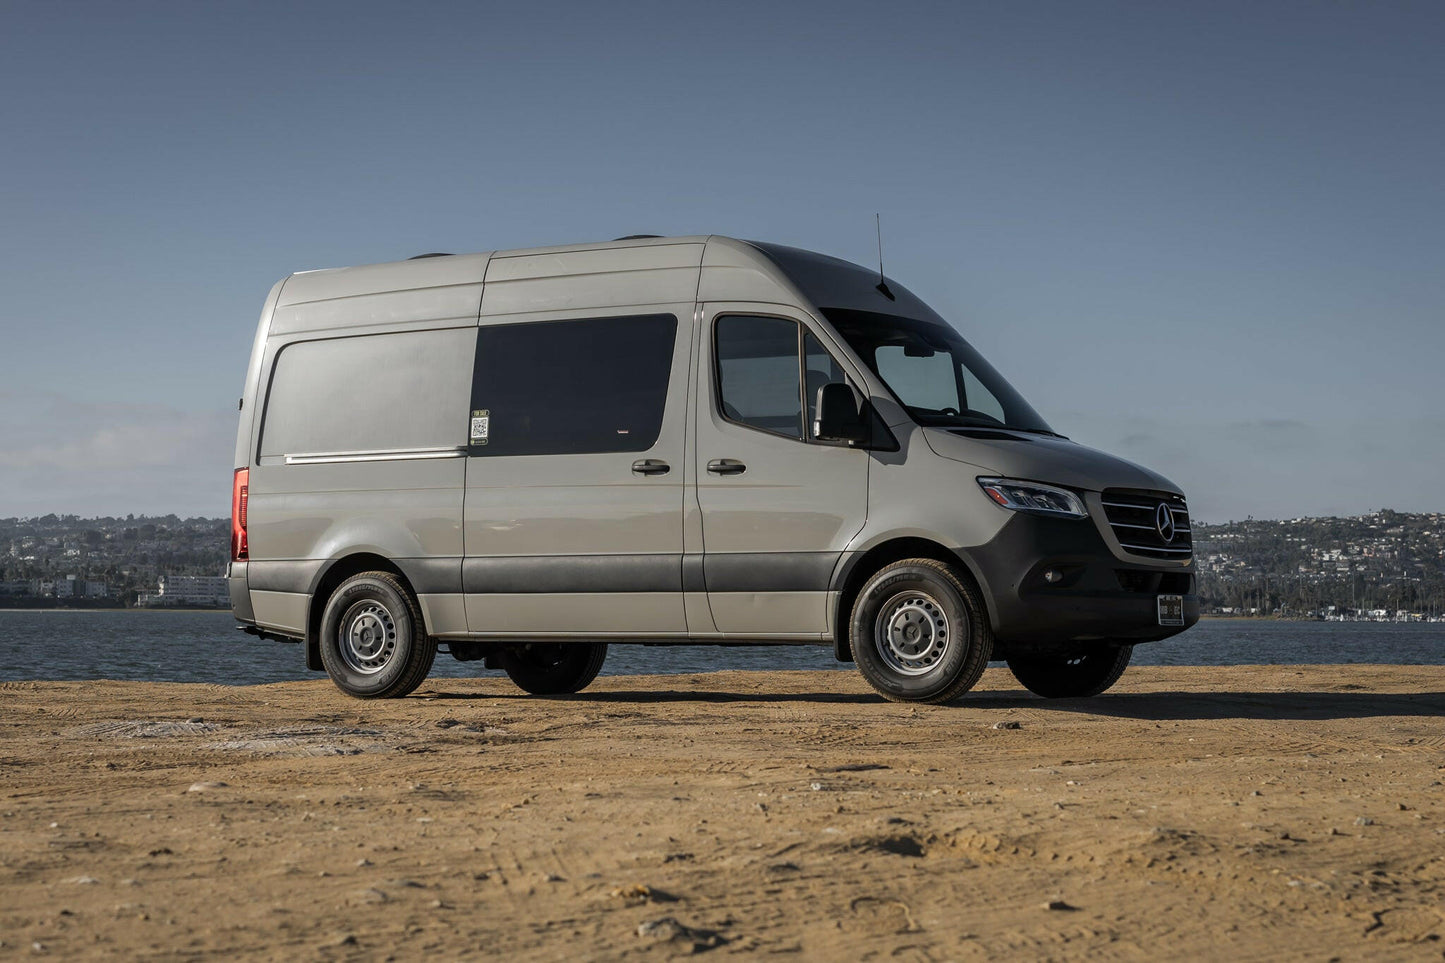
x,y
84,608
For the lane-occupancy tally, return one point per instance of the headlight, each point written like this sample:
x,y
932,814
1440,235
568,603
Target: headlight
x,y
1023,496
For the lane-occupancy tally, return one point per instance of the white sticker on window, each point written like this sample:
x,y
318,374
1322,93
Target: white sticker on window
x,y
481,423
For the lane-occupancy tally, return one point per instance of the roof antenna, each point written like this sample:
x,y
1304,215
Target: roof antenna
x,y
882,284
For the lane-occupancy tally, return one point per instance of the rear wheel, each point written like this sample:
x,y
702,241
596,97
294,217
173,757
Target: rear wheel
x,y
920,632
554,668
373,642
1076,675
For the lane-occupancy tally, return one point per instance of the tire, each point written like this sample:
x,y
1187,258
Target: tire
x,y
374,644
1075,675
920,632
554,668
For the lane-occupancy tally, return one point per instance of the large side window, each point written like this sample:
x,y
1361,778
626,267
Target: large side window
x,y
757,373
571,387
375,392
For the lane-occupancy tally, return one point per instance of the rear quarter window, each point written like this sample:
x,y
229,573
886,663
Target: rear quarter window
x,y
378,392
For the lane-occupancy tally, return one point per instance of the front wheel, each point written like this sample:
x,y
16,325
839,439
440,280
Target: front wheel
x,y
920,632
373,642
1072,676
554,668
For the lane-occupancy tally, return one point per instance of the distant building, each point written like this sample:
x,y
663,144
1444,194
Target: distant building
x,y
69,587
211,590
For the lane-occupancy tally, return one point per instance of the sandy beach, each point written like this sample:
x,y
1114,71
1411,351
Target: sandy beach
x,y
1243,813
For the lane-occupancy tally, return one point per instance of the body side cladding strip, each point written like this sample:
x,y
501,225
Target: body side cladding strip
x,y
428,576
844,570
432,576
692,574
568,574
770,571
283,575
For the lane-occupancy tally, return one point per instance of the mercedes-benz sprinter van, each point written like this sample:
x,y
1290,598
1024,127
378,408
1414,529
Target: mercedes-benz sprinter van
x,y
525,456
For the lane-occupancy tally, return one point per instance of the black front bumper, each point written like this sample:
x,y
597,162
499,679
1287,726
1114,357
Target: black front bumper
x,y
1097,596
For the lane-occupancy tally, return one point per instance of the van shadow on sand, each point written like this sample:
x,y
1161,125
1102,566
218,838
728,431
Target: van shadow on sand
x,y
1232,705
1152,705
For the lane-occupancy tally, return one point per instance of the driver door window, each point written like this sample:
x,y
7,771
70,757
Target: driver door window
x,y
757,362
758,374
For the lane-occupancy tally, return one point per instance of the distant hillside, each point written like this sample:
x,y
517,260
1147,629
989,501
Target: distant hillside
x,y
1385,560
127,554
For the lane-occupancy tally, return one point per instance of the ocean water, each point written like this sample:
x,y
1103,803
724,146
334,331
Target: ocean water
x,y
206,647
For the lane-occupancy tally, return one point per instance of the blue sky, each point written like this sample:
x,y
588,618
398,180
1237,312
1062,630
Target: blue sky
x,y
1205,236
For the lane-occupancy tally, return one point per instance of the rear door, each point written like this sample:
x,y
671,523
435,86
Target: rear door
x,y
778,507
575,475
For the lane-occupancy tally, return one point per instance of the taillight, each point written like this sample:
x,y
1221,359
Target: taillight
x,y
240,486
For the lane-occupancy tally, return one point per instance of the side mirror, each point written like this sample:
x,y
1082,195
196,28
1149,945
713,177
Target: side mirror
x,y
837,417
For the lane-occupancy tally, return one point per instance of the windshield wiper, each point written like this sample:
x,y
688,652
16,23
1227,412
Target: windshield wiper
x,y
932,418
936,419
1037,431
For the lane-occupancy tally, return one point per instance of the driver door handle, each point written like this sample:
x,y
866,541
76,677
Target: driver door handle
x,y
726,466
650,466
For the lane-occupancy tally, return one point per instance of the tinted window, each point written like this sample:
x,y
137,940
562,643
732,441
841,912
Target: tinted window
x,y
370,393
572,387
757,360
819,369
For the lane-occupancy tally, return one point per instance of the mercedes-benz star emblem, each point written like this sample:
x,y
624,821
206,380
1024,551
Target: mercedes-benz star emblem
x,y
1164,521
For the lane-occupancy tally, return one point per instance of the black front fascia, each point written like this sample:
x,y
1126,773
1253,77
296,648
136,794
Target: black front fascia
x,y
1088,601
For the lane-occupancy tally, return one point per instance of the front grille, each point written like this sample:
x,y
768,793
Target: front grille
x,y
1134,517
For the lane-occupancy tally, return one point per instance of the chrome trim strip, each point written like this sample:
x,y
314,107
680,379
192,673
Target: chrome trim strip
x,y
1156,548
384,454
1146,528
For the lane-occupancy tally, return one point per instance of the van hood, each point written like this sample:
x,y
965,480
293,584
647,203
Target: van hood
x,y
1042,458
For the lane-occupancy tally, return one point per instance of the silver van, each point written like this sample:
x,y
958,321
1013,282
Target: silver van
x,y
525,456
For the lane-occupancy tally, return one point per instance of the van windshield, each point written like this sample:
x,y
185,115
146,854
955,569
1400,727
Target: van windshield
x,y
934,373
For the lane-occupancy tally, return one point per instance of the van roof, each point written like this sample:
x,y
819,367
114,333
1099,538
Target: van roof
x,y
707,266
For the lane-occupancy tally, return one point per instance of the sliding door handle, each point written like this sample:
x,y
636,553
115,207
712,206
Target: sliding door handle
x,y
650,466
726,466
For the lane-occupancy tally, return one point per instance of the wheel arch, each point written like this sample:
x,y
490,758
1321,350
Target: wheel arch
x,y
858,566
327,578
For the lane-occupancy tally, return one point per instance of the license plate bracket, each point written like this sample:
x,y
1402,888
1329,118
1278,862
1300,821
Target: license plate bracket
x,y
1171,610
